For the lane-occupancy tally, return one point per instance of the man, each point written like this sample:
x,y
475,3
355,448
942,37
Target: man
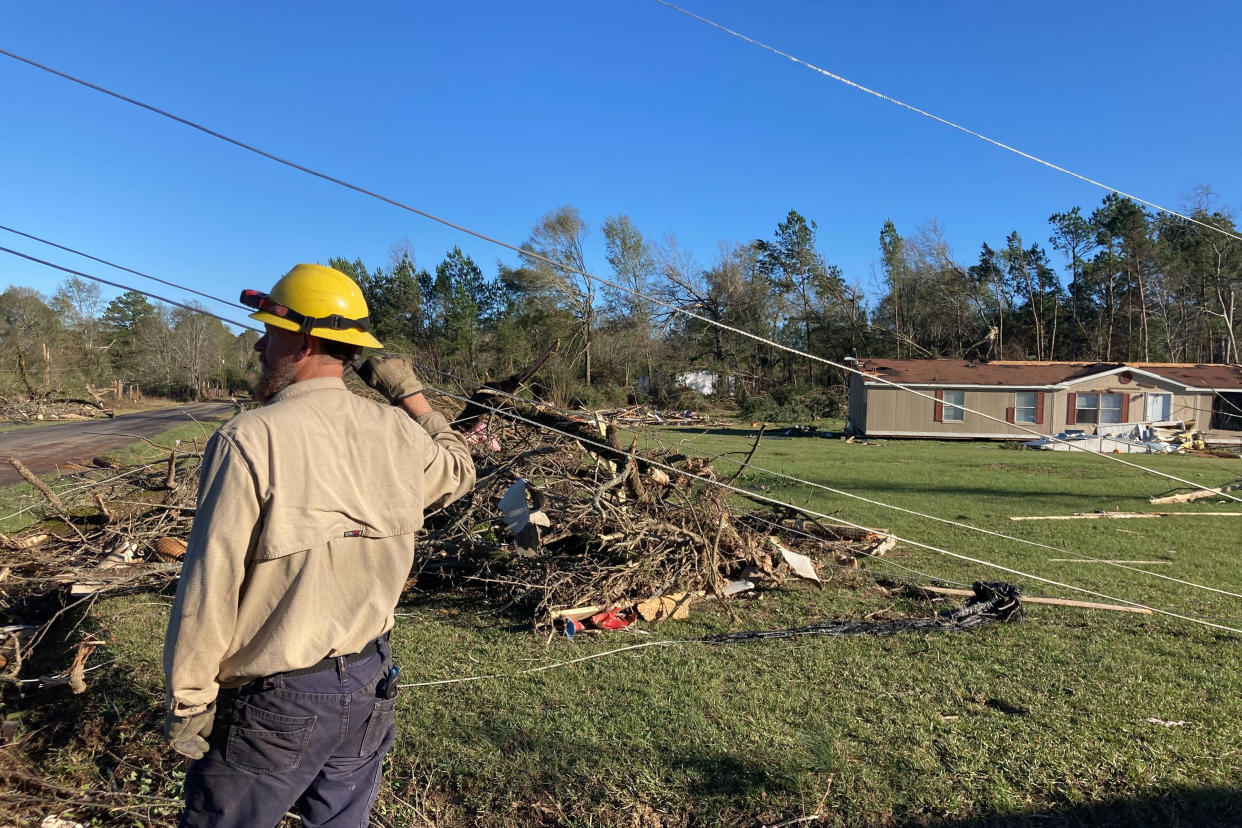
x,y
280,680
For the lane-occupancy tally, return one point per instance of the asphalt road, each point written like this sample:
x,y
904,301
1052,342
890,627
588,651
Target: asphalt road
x,y
45,448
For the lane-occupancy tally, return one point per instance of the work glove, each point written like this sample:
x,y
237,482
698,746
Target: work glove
x,y
391,376
188,734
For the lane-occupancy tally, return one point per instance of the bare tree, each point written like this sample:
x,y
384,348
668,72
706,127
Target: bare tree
x,y
554,254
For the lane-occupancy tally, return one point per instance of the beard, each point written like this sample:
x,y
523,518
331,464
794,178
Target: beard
x,y
272,381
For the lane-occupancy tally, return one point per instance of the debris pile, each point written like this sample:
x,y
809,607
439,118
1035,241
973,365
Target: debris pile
x,y
40,408
642,415
1165,437
563,520
565,523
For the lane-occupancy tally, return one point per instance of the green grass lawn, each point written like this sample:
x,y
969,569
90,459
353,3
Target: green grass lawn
x,y
1042,722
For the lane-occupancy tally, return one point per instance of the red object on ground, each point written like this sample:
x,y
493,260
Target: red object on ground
x,y
611,620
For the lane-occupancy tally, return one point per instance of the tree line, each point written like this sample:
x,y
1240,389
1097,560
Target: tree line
x,y
1118,283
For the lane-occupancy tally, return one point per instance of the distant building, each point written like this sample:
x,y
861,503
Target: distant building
x,y
704,382
1045,397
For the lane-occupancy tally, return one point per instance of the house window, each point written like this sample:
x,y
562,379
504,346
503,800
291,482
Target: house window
x,y
1026,403
952,410
1098,408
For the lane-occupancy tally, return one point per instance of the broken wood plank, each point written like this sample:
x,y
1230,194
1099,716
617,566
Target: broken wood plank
x,y
1187,497
1103,561
576,613
1121,515
1060,602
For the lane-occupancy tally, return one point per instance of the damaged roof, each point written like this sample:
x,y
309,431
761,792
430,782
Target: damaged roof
x,y
1013,373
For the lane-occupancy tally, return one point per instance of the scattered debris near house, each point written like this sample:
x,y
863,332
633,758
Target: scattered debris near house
x,y
1166,437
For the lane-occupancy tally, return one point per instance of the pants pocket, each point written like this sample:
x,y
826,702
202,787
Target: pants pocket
x,y
266,742
381,723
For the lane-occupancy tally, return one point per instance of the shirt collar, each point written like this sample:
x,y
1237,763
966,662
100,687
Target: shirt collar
x,y
309,386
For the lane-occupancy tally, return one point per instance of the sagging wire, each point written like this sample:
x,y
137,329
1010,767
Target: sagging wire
x,y
570,269
991,602
813,513
873,502
73,272
752,336
122,267
944,121
742,491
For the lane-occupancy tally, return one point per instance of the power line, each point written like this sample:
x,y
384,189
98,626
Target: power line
x,y
937,118
127,287
884,505
512,415
122,267
584,274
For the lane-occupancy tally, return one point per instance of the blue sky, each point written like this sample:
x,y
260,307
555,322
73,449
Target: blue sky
x,y
492,113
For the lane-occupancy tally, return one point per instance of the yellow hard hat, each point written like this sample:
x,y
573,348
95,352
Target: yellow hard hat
x,y
316,300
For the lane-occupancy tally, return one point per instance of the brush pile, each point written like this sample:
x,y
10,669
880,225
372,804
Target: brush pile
x,y
585,522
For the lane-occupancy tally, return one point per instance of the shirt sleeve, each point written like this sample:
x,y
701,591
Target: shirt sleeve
x,y
204,612
449,471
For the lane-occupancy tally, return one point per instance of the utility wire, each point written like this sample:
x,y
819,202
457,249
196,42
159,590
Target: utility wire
x,y
570,269
583,273
127,287
776,502
944,121
880,503
126,269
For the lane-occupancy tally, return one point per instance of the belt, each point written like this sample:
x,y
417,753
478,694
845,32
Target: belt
x,y
335,662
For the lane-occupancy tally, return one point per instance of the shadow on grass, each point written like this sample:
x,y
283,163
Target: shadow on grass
x,y
1180,807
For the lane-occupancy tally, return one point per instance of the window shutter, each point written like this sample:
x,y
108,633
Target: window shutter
x,y
1009,418
938,408
1070,404
1125,407
1039,407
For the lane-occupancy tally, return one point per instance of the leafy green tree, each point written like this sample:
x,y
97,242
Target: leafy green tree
x,y
394,298
1075,236
120,322
811,290
461,295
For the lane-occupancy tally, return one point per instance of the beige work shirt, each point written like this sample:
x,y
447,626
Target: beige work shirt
x,y
304,535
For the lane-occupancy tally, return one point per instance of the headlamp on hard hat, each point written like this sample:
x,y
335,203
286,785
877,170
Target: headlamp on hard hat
x,y
263,302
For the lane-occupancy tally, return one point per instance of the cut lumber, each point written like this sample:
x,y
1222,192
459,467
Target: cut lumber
x,y
1120,515
1060,602
1103,561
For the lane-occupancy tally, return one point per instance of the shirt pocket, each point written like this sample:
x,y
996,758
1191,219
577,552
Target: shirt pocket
x,y
288,530
266,742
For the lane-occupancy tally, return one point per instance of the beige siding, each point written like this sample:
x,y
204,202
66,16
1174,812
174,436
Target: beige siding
x,y
895,412
898,412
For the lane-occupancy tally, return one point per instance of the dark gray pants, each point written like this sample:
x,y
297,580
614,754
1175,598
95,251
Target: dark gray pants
x,y
316,741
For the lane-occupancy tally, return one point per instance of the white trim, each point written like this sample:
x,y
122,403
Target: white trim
x,y
1123,369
